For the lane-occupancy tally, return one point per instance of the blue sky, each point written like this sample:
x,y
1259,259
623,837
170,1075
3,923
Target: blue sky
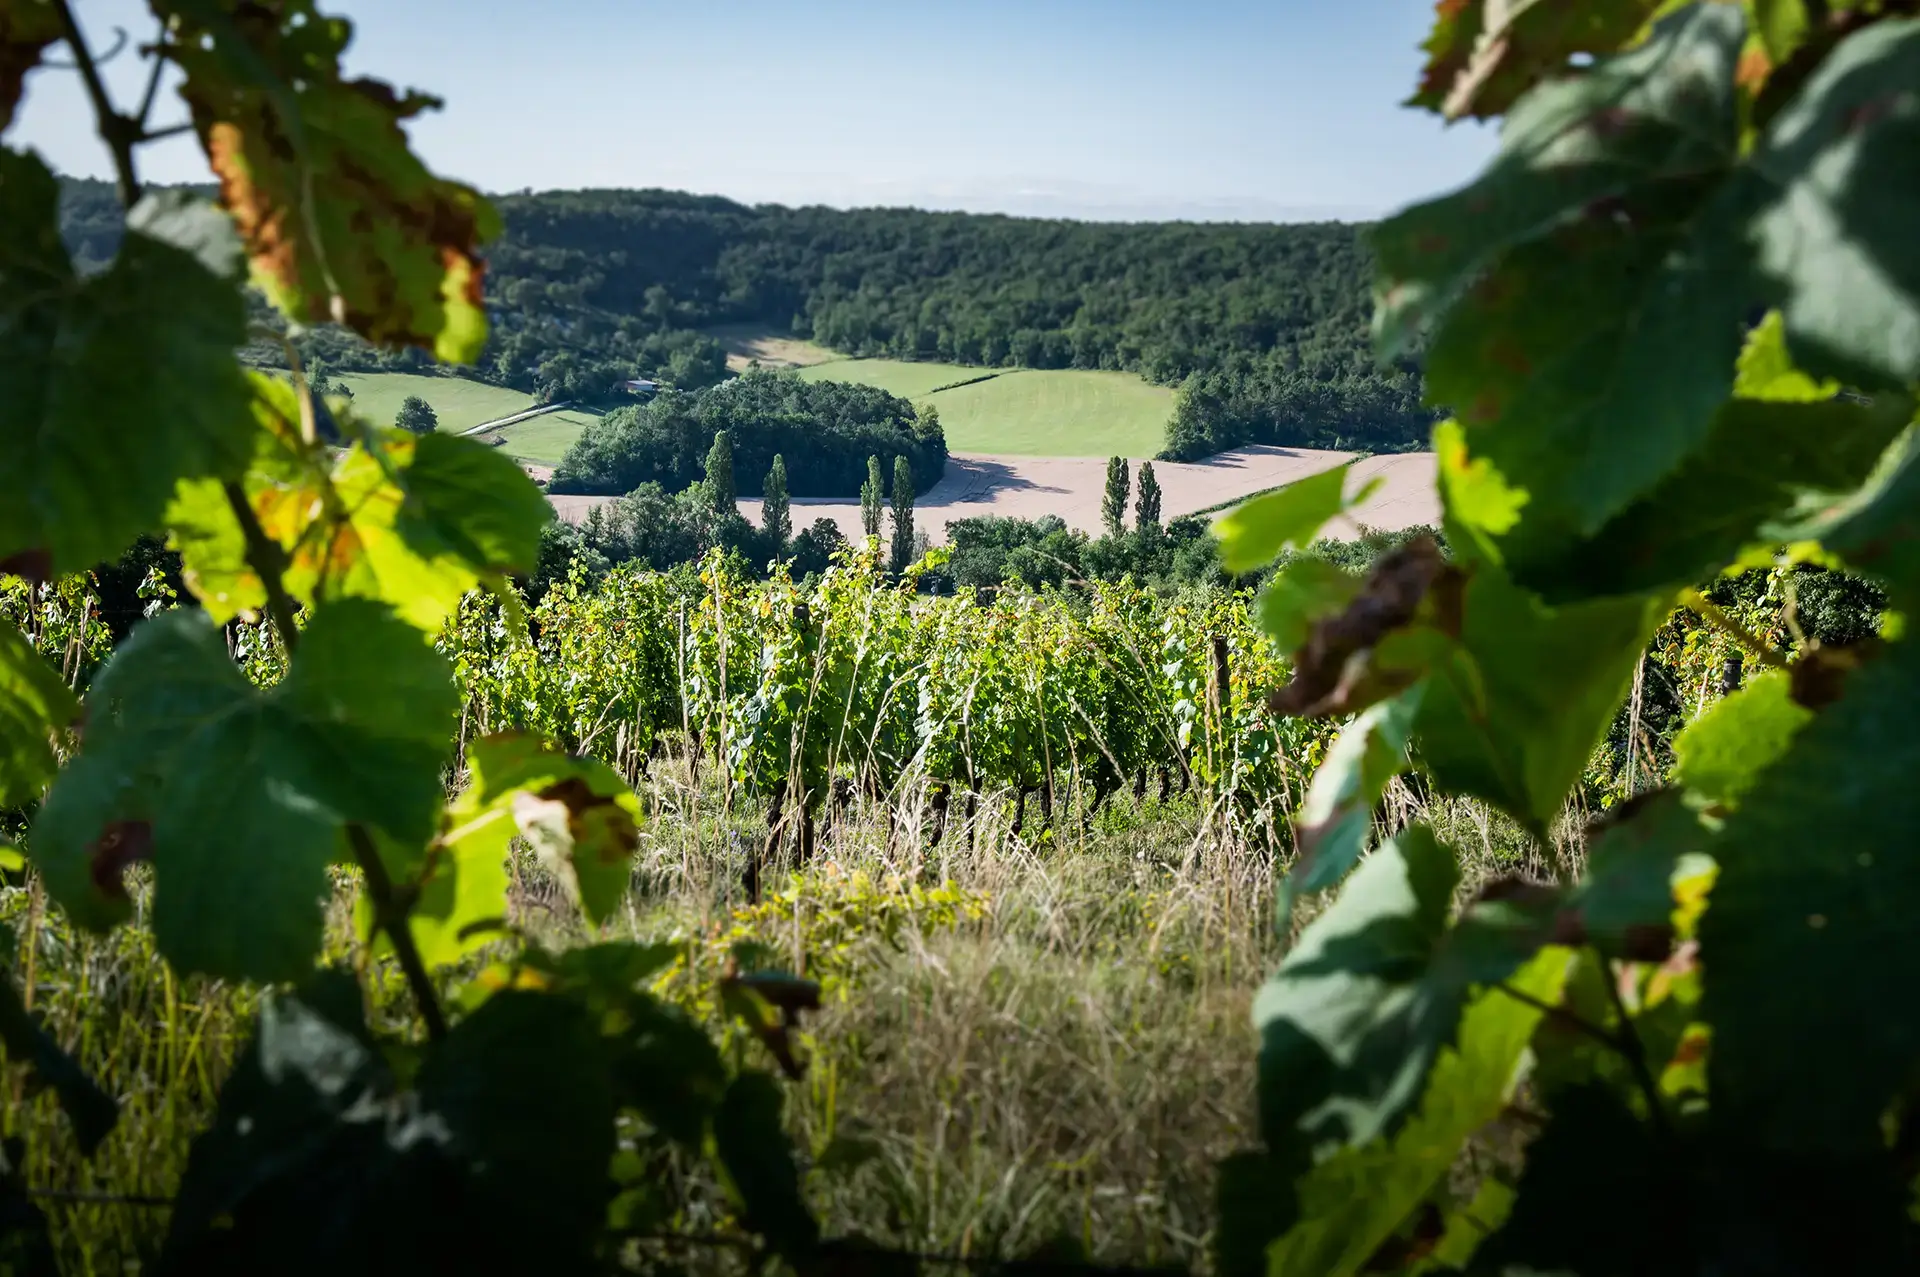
x,y
1208,109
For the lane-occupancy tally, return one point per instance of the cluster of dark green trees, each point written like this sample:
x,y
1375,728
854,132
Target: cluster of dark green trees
x,y
1263,327
670,530
825,430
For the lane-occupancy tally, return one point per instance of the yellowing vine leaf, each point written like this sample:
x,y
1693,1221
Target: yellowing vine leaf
x,y
35,707
415,521
341,220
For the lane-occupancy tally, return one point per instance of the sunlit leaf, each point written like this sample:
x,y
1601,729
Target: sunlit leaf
x,y
1477,67
34,707
1354,1202
581,818
1722,753
342,222
1337,814
1253,533
413,521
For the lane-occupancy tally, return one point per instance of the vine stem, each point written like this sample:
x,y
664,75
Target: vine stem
x,y
269,562
120,133
1710,612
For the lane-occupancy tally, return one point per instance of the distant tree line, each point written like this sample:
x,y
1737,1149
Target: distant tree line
x,y
826,431
1268,324
1265,328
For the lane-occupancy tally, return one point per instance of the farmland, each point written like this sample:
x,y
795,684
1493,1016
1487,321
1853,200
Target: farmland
x,y
462,404
1071,487
1022,411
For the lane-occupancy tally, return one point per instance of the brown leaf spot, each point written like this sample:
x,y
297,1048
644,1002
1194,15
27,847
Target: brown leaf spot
x,y
1432,242
1505,353
1692,1049
1646,942
1486,407
594,820
1610,122
1819,678
120,844
1333,661
1869,113
1755,67
34,566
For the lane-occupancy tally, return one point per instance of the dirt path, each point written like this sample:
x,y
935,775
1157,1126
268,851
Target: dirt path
x,y
1072,487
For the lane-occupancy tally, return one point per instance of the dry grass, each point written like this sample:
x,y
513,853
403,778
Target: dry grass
x,y
1070,1063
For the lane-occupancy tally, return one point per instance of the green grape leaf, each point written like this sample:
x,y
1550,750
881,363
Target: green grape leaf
x,y
341,221
357,732
1478,69
1636,857
315,1150
458,889
1841,166
669,1071
752,1146
1766,370
1809,936
27,27
1299,596
1875,528
414,521
1253,533
1596,1149
1762,462
1353,1203
91,1110
524,1086
1351,1023
1337,815
581,818
1515,710
1722,753
120,383
1617,186
34,707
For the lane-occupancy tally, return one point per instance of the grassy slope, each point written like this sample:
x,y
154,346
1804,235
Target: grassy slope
x,y
1025,412
1064,413
546,438
460,403
896,376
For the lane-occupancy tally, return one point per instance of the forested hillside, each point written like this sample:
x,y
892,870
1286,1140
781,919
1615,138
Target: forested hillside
x,y
1264,327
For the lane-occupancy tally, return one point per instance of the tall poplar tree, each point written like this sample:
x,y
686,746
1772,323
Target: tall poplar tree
x,y
776,512
902,514
872,498
1146,510
1113,508
720,487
